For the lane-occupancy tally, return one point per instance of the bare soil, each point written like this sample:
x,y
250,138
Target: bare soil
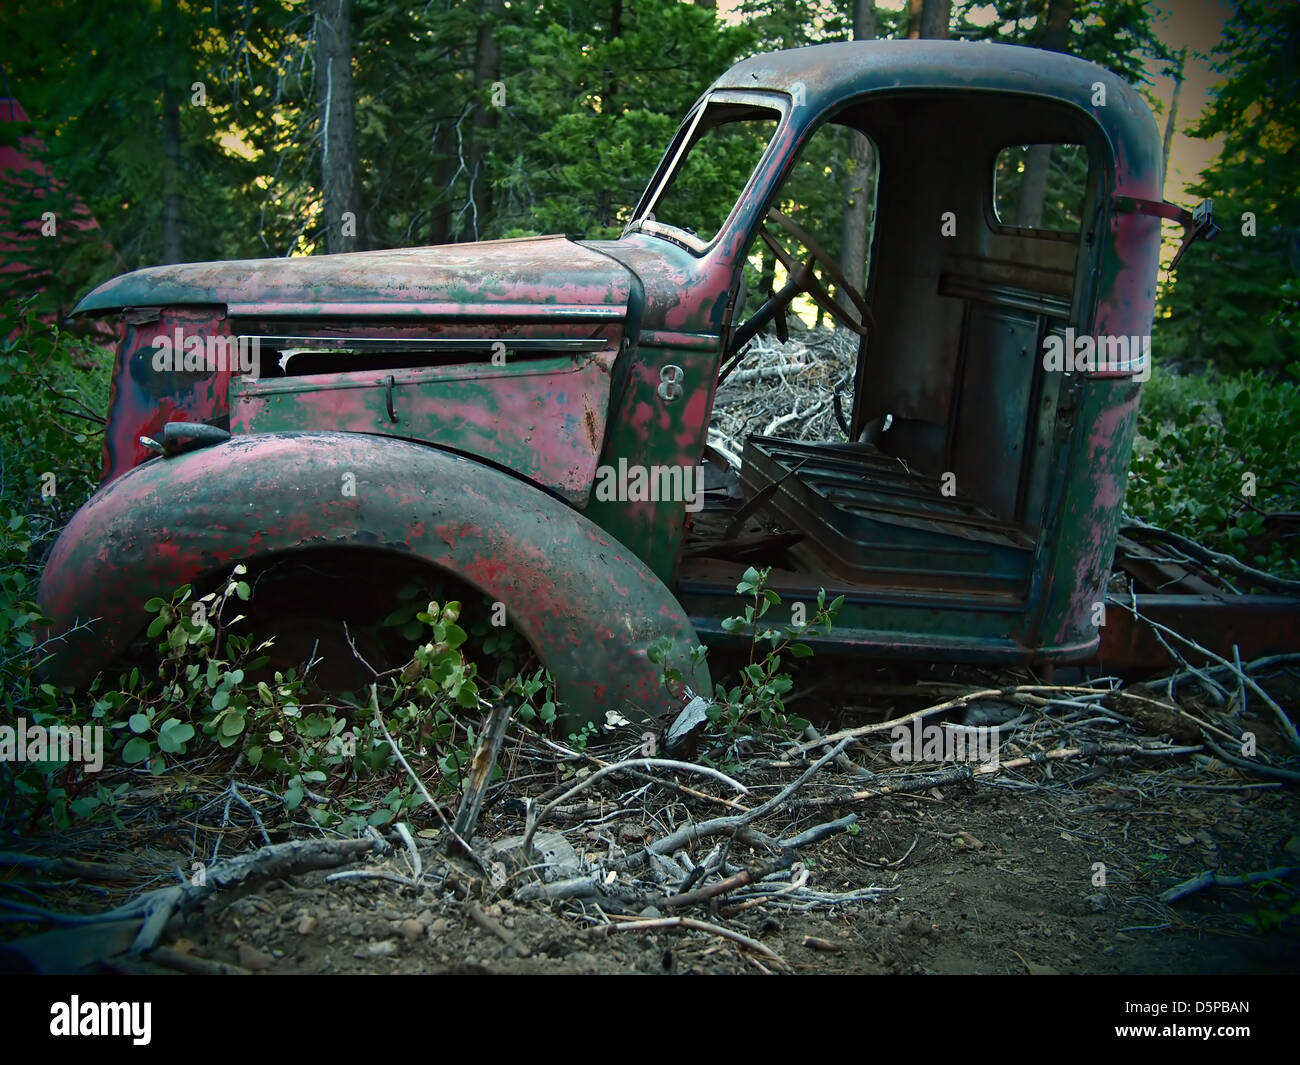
x,y
1055,867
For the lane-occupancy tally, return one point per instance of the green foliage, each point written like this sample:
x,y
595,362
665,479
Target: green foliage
x,y
1231,303
755,701
1277,905
100,84
578,740
49,460
1215,457
1120,35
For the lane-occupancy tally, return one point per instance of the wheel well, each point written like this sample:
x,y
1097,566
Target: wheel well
x,y
333,607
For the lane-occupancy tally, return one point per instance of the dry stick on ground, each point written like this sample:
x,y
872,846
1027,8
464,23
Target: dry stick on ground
x,y
600,931
1258,768
397,753
66,867
480,772
966,771
1086,750
728,825
600,763
844,762
1179,711
950,704
749,876
156,907
188,963
1287,726
233,795
488,925
1210,878
535,819
417,866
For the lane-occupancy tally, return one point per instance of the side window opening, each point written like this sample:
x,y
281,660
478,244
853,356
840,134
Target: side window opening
x,y
1041,186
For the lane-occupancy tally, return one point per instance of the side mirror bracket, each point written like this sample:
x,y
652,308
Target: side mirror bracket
x,y
1198,223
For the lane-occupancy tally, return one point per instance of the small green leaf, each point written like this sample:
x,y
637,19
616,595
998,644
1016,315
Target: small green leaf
x,y
137,750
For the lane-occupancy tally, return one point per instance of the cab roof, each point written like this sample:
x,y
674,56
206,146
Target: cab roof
x,y
833,73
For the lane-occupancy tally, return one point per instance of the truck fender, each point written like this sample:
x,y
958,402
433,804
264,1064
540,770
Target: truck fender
x,y
587,605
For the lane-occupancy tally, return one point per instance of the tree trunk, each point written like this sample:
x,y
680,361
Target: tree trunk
x,y
171,218
1053,36
334,96
487,71
171,145
1173,110
935,17
608,94
853,234
914,18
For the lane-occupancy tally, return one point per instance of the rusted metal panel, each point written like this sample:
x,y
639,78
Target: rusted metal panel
x,y
544,419
1258,625
550,277
582,599
1090,510
143,399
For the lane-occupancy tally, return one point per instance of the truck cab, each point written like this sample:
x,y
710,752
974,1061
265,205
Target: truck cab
x,y
531,417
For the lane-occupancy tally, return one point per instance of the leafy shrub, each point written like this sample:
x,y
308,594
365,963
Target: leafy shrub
x,y
754,702
1215,458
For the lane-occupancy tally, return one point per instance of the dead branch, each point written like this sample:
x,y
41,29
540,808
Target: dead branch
x,y
725,825
466,849
615,767
480,771
1287,726
658,923
488,925
188,963
413,852
1214,558
1210,878
156,907
66,867
951,704
1256,767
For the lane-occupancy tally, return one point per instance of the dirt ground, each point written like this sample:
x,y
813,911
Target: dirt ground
x,y
1054,867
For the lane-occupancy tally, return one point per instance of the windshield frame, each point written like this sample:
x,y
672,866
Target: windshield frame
x,y
777,103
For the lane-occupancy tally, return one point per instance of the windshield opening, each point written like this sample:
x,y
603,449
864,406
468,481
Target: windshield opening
x,y
723,148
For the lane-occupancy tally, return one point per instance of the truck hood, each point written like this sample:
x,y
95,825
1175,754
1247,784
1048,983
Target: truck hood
x,y
550,277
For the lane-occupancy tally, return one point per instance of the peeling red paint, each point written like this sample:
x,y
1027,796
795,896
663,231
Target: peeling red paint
x,y
498,488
